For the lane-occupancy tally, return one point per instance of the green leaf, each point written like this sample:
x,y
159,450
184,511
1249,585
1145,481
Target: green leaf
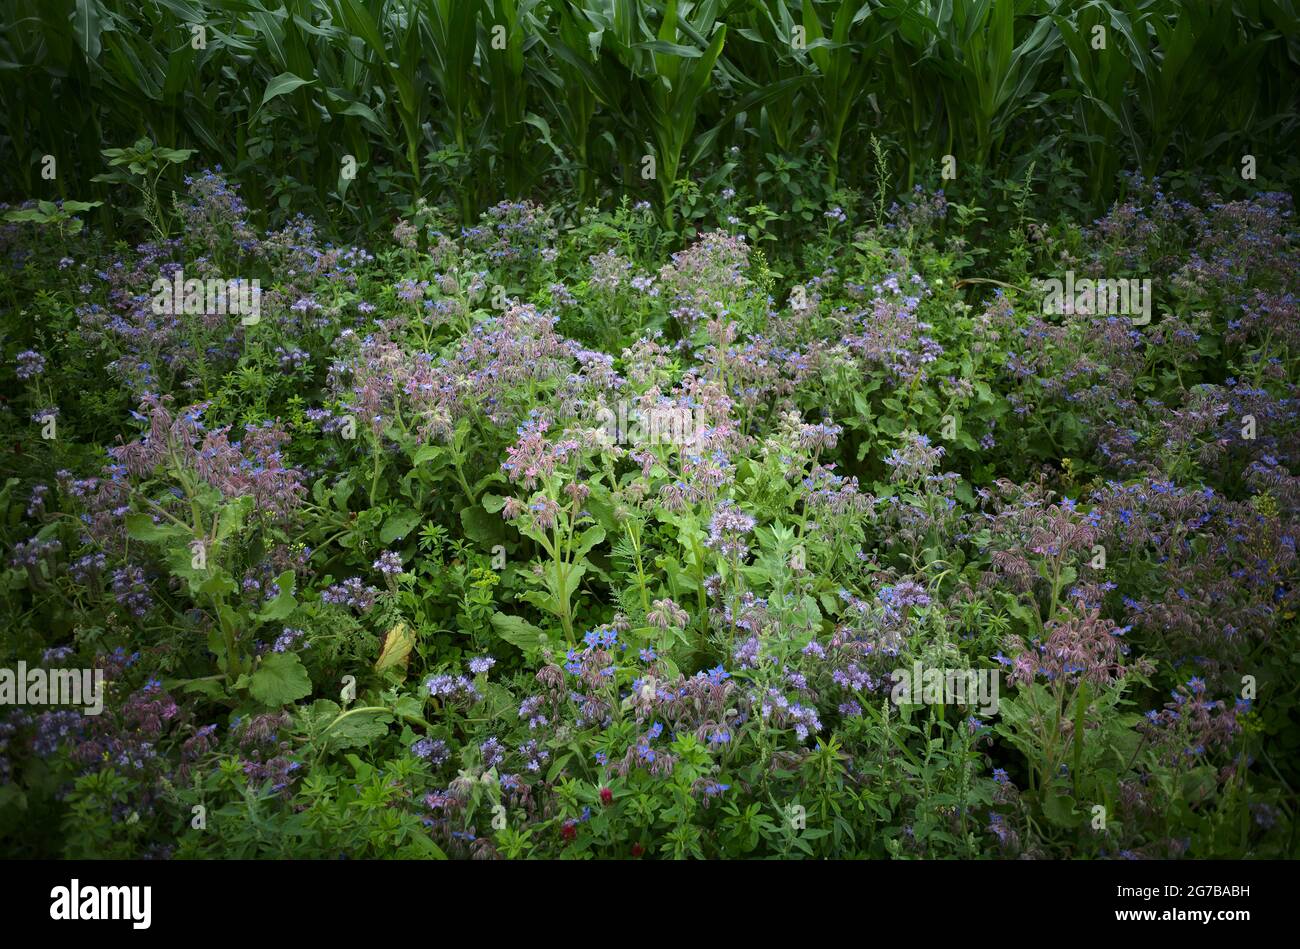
x,y
363,770
279,680
480,526
1059,809
399,525
427,453
209,687
670,49
589,539
557,766
283,604
230,520
358,729
518,632
142,527
87,25
174,155
283,84
218,585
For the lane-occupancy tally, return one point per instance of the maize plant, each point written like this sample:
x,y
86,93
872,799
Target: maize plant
x,y
368,107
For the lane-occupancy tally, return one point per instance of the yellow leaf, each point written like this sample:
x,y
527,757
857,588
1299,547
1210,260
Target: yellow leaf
x,y
397,649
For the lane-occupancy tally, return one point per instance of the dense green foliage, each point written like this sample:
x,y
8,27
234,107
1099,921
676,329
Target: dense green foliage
x,y
538,428
463,102
375,575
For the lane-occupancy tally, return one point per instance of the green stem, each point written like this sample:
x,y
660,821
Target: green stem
x,y
640,569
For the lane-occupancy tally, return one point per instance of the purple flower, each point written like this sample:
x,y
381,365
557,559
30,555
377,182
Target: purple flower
x,y
30,364
389,563
352,593
132,590
36,501
493,753
285,641
433,750
727,530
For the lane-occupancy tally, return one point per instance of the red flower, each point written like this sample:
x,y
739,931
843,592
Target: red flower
x,y
637,850
569,830
606,796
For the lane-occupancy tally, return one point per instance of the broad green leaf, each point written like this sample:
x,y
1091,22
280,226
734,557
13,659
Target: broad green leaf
x,y
142,527
482,527
399,525
87,21
283,604
518,632
279,680
283,84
